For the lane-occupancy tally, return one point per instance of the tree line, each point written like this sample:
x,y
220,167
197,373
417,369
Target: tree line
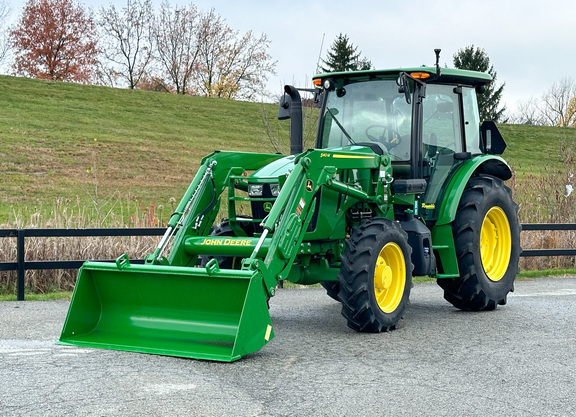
x,y
178,49
555,107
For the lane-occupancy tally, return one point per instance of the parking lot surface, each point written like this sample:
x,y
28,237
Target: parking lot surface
x,y
519,360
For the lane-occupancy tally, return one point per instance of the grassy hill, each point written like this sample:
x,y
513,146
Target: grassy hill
x,y
95,147
89,149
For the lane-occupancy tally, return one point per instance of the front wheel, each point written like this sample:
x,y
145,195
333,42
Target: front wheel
x,y
332,289
224,229
487,242
375,276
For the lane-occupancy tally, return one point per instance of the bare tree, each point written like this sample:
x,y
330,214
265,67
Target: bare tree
x,y
212,29
571,113
127,38
529,113
4,37
556,101
231,66
176,41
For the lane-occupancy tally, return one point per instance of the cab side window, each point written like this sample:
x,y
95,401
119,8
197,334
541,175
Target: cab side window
x,y
471,120
441,130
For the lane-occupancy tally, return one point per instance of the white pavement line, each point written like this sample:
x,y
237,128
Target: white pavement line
x,y
557,293
163,389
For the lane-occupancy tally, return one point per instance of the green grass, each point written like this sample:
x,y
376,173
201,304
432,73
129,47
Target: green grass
x,y
57,295
103,150
100,145
544,273
532,149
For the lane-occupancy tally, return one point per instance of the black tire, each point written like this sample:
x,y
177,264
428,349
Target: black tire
x,y
332,289
375,276
487,241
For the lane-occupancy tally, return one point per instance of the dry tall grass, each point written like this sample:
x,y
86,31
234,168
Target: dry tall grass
x,y
548,197
65,216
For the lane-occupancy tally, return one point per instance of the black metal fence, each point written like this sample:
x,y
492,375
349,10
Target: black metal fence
x,y
21,265
544,227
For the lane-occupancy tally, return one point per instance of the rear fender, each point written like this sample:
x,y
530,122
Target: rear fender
x,y
442,237
483,164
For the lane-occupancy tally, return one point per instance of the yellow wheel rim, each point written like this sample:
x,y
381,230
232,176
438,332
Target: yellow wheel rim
x,y
389,277
495,243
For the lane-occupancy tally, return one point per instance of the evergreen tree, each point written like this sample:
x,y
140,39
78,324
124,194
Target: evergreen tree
x,y
476,59
343,56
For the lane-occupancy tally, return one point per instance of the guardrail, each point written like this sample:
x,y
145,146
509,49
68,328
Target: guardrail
x,y
21,265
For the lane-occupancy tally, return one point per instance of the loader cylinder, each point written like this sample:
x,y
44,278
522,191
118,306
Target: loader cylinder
x,y
347,190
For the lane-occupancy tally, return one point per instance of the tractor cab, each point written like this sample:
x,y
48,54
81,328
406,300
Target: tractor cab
x,y
425,119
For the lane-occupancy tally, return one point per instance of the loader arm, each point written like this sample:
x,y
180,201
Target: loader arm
x,y
198,208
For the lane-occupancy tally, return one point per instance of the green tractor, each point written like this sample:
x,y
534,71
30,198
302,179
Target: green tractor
x,y
403,181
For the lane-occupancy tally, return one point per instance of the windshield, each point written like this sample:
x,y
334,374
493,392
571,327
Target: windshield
x,y
368,111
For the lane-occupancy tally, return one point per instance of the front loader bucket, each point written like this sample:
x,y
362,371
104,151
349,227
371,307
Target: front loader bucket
x,y
190,312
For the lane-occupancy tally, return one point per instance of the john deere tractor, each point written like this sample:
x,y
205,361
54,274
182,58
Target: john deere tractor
x,y
403,181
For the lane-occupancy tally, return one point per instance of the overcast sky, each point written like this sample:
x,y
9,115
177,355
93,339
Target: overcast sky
x,y
530,43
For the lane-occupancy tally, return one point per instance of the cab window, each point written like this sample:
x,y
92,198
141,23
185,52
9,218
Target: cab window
x,y
471,120
368,111
441,129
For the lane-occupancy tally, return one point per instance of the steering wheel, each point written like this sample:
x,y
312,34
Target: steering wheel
x,y
389,137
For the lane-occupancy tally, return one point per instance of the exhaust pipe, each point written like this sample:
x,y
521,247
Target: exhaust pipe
x,y
291,108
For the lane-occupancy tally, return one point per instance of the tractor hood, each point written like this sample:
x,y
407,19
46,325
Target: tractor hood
x,y
276,168
283,165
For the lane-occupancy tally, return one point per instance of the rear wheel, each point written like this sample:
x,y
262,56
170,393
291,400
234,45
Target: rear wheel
x,y
375,276
487,241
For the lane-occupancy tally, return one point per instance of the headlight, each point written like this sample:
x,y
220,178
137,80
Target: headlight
x,y
255,190
274,190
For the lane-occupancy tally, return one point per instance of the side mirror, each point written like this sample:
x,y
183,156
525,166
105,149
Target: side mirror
x,y
492,140
284,109
404,86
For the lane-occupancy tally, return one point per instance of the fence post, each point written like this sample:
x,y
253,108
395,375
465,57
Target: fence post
x,y
20,255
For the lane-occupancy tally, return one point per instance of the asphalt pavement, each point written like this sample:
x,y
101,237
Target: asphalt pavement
x,y
519,360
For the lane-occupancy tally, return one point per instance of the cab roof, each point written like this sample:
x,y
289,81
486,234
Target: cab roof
x,y
447,75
